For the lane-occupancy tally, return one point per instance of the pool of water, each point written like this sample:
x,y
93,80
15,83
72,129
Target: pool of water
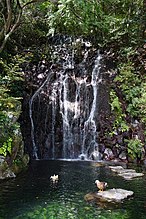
x,y
32,195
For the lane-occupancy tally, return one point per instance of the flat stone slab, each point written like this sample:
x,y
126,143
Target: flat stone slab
x,y
116,195
127,174
122,171
116,168
111,195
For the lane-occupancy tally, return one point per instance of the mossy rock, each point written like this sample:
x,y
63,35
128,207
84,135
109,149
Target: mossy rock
x,y
5,171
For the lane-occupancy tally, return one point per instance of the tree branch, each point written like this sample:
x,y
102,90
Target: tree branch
x,y
9,16
9,27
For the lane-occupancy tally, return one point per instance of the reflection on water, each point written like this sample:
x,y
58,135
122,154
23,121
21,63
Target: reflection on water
x,y
33,195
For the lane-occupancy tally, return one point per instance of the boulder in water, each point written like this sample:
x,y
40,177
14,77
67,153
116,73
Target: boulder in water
x,y
116,195
111,195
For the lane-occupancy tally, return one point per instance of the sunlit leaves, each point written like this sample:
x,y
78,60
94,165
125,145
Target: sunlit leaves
x,y
134,90
109,20
120,123
10,106
6,147
135,148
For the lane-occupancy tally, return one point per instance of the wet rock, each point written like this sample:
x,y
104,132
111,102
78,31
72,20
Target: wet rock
x,y
116,168
82,156
111,195
2,159
123,171
95,155
130,175
7,174
127,174
108,154
119,139
90,196
116,195
122,156
101,148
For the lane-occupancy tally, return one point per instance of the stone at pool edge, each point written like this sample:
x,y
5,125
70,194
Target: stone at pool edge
x,y
7,174
127,174
111,195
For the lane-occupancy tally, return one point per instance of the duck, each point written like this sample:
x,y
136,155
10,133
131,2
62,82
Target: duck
x,y
101,185
54,178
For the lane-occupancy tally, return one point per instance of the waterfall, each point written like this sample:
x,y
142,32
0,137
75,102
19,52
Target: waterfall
x,y
35,148
90,123
70,100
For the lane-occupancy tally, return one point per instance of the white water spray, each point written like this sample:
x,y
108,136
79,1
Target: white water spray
x,y
73,93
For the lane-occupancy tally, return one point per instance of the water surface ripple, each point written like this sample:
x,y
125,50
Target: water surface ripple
x,y
32,195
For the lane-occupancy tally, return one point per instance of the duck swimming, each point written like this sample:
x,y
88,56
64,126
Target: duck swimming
x,y
101,185
54,178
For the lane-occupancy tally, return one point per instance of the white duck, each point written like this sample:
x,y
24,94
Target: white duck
x,y
54,178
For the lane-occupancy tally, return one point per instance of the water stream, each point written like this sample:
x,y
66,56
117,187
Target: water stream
x,y
71,99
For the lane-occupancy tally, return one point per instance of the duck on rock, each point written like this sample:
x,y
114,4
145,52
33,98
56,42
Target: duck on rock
x,y
101,185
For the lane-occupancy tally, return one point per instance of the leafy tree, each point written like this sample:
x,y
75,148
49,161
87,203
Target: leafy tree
x,y
129,106
10,17
10,105
106,21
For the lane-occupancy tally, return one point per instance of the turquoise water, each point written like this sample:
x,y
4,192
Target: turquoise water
x,y
32,195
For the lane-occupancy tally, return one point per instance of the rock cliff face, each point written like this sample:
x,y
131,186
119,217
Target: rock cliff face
x,y
65,101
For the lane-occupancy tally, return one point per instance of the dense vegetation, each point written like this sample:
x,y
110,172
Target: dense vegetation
x,y
114,24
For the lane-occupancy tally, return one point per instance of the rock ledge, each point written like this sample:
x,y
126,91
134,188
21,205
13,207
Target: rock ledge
x,y
109,196
116,195
127,174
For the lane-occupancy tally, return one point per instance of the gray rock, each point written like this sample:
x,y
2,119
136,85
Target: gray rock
x,y
130,175
108,196
116,195
122,156
126,171
7,174
116,168
95,155
2,159
109,153
127,174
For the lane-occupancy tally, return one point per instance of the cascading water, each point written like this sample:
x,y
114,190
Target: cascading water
x,y
70,95
90,131
36,94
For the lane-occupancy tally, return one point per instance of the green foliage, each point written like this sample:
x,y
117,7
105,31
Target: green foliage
x,y
108,20
135,148
33,29
142,103
6,147
119,117
10,106
133,87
